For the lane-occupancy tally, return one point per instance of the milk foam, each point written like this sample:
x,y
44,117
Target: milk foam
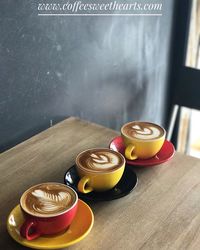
x,y
102,160
143,130
146,133
47,199
47,202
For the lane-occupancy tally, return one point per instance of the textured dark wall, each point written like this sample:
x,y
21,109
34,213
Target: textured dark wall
x,y
109,70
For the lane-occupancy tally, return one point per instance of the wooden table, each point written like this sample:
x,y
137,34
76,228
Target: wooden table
x,y
163,212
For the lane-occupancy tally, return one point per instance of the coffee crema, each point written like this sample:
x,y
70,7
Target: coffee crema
x,y
100,160
48,199
143,130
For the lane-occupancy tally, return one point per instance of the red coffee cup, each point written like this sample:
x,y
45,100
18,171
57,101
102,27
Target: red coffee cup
x,y
37,224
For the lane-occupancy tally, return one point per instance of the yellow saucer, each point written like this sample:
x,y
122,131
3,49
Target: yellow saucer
x,y
79,229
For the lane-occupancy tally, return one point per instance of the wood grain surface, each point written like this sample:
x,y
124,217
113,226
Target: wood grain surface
x,y
163,212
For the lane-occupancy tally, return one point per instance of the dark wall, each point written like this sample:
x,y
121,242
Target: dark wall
x,y
109,70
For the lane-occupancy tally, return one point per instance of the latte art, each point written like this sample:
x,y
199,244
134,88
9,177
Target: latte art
x,y
48,199
100,160
48,202
143,130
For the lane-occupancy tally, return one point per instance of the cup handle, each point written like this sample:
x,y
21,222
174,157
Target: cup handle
x,y
129,152
83,186
29,230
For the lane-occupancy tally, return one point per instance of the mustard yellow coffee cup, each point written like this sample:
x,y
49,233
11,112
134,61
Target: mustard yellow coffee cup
x,y
99,169
142,140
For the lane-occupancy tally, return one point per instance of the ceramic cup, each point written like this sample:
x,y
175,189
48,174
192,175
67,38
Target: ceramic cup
x,y
48,208
99,169
142,140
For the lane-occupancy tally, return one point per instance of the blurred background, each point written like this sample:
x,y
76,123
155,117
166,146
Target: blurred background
x,y
108,70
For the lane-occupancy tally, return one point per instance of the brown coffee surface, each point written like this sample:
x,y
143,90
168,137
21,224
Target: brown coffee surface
x,y
100,160
143,130
47,199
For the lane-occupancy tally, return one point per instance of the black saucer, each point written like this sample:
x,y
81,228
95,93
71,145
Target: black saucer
x,y
125,185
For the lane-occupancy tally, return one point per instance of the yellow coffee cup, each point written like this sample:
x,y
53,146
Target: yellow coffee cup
x,y
142,140
99,169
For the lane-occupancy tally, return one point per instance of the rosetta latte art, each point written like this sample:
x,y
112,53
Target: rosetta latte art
x,y
48,202
102,160
47,199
